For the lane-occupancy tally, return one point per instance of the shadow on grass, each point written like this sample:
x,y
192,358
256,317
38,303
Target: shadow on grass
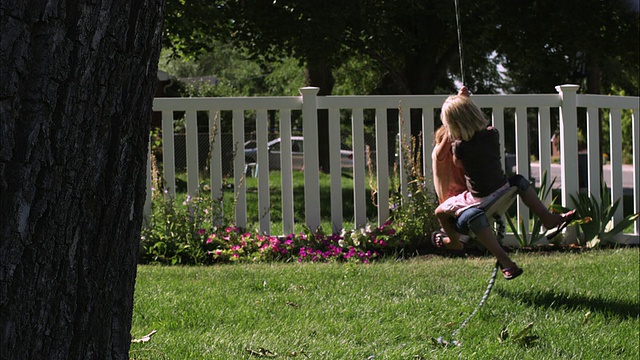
x,y
621,309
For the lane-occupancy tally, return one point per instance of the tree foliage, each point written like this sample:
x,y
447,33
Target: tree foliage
x,y
593,43
412,46
415,43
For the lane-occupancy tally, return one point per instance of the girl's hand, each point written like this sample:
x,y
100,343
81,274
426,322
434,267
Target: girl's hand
x,y
464,91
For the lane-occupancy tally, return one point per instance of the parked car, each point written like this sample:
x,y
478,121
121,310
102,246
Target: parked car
x,y
250,151
297,154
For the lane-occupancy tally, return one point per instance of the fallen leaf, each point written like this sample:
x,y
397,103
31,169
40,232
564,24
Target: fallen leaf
x,y
504,334
144,338
261,352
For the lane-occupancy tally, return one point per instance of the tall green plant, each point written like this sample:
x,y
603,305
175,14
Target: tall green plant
x,y
178,234
599,227
536,234
413,216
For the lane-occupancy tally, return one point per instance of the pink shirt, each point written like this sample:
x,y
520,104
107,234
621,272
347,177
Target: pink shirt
x,y
448,179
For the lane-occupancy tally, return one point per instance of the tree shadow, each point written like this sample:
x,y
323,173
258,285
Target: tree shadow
x,y
621,309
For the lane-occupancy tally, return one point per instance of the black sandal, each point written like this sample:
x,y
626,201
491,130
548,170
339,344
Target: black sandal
x,y
437,239
512,272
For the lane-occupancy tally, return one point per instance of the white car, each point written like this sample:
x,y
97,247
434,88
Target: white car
x,y
297,154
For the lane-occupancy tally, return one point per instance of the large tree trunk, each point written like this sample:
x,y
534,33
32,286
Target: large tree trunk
x,y
78,79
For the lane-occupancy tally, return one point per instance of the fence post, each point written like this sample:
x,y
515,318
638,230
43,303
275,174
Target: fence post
x,y
311,160
635,124
568,147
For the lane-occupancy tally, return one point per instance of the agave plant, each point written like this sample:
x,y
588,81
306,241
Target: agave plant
x,y
600,229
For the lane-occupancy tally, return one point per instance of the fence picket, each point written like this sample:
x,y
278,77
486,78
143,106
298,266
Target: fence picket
x,y
240,190
286,173
264,206
336,170
382,165
359,182
566,101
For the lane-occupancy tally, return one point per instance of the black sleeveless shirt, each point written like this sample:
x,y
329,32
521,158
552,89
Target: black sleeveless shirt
x,y
482,163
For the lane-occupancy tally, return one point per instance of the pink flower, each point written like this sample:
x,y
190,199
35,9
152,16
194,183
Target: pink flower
x,y
201,231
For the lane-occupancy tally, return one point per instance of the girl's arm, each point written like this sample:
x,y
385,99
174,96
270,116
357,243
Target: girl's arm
x,y
443,148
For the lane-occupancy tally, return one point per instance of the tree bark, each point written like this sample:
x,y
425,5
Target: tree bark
x,y
78,80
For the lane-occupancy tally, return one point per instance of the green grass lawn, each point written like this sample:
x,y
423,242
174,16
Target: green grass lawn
x,y
583,306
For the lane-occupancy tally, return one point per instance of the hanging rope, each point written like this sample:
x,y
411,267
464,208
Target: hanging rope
x,y
500,230
459,41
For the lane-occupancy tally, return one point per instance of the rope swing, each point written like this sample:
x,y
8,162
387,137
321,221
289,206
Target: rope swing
x,y
459,40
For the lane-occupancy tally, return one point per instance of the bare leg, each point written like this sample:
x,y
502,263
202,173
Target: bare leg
x,y
487,238
452,242
531,200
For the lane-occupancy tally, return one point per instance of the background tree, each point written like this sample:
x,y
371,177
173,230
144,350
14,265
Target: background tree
x,y
415,43
593,43
309,31
411,47
78,79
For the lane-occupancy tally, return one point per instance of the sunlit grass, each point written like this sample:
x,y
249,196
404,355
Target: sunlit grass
x,y
583,305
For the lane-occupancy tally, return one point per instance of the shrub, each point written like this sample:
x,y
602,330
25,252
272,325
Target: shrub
x,y
192,232
413,216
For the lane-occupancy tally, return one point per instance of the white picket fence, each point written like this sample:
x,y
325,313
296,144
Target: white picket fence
x,y
566,101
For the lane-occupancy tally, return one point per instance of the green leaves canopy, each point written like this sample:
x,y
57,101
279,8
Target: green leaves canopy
x,y
413,44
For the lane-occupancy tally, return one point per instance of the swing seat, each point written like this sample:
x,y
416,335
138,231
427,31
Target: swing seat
x,y
496,203
499,202
494,207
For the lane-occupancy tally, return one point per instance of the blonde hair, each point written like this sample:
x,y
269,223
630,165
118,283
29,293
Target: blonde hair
x,y
440,134
462,117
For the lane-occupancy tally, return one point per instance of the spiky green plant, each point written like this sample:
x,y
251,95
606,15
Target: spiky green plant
x,y
600,228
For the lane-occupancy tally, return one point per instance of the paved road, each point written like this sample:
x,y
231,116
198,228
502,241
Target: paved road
x,y
627,175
